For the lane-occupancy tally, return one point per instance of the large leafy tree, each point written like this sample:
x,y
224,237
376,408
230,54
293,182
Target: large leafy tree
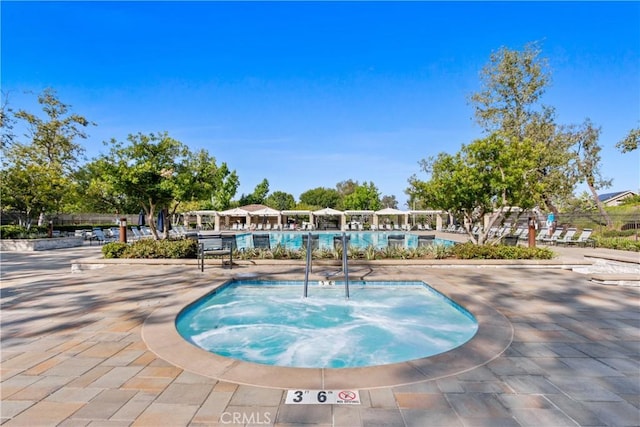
x,y
199,178
258,196
513,83
222,194
7,122
95,194
347,187
36,172
159,173
555,157
280,200
364,196
485,178
389,202
630,142
588,164
320,197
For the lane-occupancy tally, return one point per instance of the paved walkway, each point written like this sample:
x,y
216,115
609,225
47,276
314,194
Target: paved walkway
x,y
73,353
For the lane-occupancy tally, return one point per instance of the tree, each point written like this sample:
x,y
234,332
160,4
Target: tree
x,y
7,122
363,197
320,197
198,178
281,201
555,158
160,173
630,142
588,153
486,177
258,196
389,202
36,173
347,187
94,194
513,84
222,194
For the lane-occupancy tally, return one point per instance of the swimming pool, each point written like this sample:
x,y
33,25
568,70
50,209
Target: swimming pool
x,y
271,323
326,240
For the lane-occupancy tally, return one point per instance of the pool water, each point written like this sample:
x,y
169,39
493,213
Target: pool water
x,y
271,323
359,240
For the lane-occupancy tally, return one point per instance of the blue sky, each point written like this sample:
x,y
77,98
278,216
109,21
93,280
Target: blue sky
x,y
309,94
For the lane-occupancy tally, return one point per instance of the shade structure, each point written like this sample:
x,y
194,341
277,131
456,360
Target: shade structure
x,y
390,211
234,212
265,212
296,212
359,212
328,211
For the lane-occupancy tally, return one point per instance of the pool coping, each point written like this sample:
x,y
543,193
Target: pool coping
x,y
494,335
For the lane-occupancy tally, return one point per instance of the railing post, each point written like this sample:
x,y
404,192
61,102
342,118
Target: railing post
x,y
345,265
307,268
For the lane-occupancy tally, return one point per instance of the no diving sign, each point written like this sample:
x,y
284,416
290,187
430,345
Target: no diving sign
x,y
323,397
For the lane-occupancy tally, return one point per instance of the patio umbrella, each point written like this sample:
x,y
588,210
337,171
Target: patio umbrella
x,y
141,219
160,221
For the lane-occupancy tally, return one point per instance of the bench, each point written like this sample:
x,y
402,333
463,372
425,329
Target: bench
x,y
212,246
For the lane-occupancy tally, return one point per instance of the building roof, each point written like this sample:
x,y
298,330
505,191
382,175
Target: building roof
x,y
608,196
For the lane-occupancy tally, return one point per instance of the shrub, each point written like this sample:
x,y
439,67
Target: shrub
x,y
148,248
618,233
619,243
188,248
20,232
472,251
114,249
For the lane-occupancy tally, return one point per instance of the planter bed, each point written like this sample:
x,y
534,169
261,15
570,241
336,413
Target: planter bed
x,y
40,244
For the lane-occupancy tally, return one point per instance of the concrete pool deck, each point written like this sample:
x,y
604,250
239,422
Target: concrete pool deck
x,y
74,350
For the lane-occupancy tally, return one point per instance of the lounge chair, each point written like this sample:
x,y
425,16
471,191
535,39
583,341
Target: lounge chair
x,y
544,232
136,233
493,232
568,237
555,236
100,237
145,231
583,239
520,232
504,231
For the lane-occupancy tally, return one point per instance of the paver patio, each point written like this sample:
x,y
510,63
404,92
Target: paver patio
x,y
73,353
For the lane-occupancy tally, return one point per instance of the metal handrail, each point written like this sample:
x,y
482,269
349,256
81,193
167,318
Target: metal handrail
x,y
308,265
307,268
345,265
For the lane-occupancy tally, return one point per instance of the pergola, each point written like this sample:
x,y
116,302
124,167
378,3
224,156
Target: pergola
x,y
246,213
391,212
332,212
266,212
229,214
430,213
296,213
